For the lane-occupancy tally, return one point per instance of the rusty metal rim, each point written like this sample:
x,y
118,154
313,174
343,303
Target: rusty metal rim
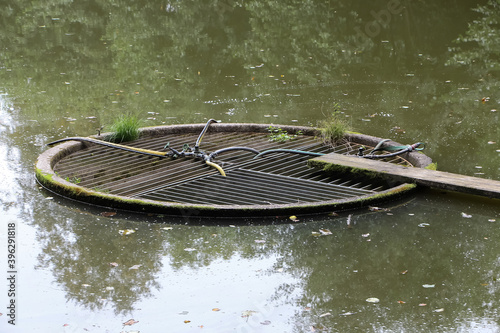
x,y
47,177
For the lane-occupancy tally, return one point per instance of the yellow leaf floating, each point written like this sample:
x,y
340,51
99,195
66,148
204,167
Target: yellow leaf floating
x,y
248,313
372,300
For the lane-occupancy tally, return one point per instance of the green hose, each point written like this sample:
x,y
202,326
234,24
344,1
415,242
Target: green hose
x,y
292,151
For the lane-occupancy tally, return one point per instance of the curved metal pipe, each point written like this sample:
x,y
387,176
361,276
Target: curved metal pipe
x,y
200,137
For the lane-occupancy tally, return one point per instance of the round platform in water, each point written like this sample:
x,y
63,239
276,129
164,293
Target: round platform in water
x,y
274,184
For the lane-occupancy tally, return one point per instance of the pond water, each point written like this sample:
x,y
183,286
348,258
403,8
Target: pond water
x,y
398,69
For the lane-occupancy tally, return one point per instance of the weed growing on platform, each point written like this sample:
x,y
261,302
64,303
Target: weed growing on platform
x,y
334,128
125,128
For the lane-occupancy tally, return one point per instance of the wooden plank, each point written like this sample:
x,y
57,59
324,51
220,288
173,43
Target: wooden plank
x,y
430,178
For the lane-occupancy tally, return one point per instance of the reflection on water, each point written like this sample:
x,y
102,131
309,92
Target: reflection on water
x,y
69,68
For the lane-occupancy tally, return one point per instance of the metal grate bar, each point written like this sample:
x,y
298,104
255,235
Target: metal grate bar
x,y
274,179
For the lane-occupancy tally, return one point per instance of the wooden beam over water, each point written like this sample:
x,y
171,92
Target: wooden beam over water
x,y
430,178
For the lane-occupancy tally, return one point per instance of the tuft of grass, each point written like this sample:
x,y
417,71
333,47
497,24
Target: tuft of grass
x,y
334,128
125,128
75,180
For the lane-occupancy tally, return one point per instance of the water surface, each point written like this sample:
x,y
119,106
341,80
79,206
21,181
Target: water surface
x,y
396,69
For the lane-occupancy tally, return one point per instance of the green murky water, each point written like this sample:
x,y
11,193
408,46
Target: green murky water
x,y
409,71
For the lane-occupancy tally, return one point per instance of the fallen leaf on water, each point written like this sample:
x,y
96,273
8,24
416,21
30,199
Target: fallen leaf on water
x,y
325,314
65,325
428,285
187,321
404,272
135,267
349,221
422,304
248,313
130,322
377,209
315,233
401,302
325,232
372,300
347,313
215,309
126,232
293,218
108,214
467,216
484,284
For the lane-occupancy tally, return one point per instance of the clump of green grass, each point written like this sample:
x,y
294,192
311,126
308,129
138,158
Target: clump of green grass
x,y
125,128
334,128
75,180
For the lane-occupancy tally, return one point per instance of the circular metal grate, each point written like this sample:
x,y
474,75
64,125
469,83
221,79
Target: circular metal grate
x,y
268,185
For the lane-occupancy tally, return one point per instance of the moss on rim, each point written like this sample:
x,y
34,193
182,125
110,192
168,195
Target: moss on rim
x,y
432,166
